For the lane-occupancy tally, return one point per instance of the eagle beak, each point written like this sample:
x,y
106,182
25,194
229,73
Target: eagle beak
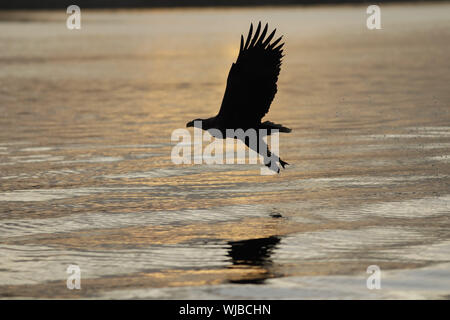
x,y
190,124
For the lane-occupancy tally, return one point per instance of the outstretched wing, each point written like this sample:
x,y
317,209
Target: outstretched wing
x,y
252,81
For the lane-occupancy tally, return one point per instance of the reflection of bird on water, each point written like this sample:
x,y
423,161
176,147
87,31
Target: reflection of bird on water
x,y
251,87
253,252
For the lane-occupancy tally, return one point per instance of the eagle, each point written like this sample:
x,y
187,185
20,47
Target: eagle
x,y
250,89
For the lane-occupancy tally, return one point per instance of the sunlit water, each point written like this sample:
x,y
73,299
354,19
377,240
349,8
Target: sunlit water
x,y
86,176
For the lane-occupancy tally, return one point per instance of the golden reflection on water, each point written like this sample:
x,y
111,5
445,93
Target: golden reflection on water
x,y
86,175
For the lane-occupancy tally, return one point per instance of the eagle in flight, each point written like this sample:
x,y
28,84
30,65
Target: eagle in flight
x,y
251,88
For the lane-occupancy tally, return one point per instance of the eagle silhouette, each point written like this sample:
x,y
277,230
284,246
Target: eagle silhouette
x,y
251,88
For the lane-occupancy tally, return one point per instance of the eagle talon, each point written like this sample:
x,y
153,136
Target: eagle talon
x,y
283,163
251,88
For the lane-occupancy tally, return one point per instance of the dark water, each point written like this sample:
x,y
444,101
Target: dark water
x,y
86,176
